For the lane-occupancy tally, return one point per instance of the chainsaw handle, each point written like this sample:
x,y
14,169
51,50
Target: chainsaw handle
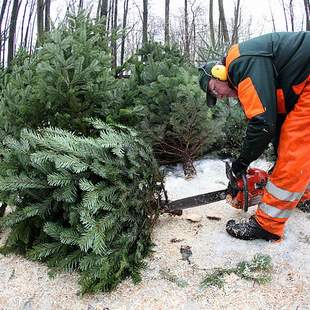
x,y
245,193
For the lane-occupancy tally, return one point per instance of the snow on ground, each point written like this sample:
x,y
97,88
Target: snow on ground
x,y
25,285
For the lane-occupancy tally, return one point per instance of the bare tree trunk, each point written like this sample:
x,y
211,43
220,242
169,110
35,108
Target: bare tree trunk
x,y
110,16
114,41
12,32
81,5
29,22
211,23
223,22
104,12
2,33
292,15
32,33
272,19
23,24
144,22
186,34
307,10
124,30
167,17
3,7
47,27
40,21
285,17
189,168
235,33
192,34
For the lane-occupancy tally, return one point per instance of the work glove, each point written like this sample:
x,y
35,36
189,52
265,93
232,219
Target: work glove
x,y
238,168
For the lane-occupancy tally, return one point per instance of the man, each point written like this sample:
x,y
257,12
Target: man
x,y
270,75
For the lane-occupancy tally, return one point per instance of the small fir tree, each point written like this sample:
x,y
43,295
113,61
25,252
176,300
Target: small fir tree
x,y
67,80
85,204
170,110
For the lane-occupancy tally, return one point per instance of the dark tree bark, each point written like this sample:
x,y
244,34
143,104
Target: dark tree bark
x,y
29,22
273,21
104,12
40,21
167,22
109,23
125,14
291,15
114,41
307,10
211,23
47,27
2,33
23,24
186,30
235,32
285,17
5,31
144,22
223,22
12,31
81,5
32,33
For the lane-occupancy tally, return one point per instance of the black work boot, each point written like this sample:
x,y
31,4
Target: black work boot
x,y
248,229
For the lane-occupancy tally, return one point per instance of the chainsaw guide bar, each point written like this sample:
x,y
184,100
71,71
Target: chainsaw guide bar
x,y
196,201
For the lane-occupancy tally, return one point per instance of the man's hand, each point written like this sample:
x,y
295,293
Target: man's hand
x,y
238,168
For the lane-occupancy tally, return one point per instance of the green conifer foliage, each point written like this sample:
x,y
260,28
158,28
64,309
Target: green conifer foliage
x,y
174,118
81,203
66,80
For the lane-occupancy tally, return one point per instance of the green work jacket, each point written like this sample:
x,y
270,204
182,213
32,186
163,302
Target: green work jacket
x,y
269,73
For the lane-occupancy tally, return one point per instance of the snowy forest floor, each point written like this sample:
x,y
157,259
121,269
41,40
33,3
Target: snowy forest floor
x,y
171,283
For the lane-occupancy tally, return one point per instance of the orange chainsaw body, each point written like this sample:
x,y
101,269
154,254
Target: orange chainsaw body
x,y
256,182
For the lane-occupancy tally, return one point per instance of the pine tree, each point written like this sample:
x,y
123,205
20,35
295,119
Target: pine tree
x,y
84,204
174,118
67,80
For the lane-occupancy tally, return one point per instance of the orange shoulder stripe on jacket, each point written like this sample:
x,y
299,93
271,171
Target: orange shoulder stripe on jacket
x,y
232,54
249,98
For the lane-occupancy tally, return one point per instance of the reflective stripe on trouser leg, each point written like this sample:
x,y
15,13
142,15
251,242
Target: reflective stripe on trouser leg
x,y
306,195
291,174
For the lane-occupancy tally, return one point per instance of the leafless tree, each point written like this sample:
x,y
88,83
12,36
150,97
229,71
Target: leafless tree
x,y
211,24
114,36
110,16
186,31
291,8
144,22
30,15
272,19
285,17
223,23
40,21
167,17
81,5
125,14
30,41
103,11
236,23
23,23
307,10
2,32
12,31
47,26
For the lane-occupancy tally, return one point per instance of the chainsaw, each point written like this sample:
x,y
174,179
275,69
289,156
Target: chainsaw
x,y
241,192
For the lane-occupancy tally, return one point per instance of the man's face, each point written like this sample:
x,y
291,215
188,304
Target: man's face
x,y
221,89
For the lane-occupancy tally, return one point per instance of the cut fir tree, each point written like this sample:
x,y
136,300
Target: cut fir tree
x,y
81,203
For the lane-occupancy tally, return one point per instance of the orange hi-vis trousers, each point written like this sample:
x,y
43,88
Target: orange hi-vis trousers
x,y
290,179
